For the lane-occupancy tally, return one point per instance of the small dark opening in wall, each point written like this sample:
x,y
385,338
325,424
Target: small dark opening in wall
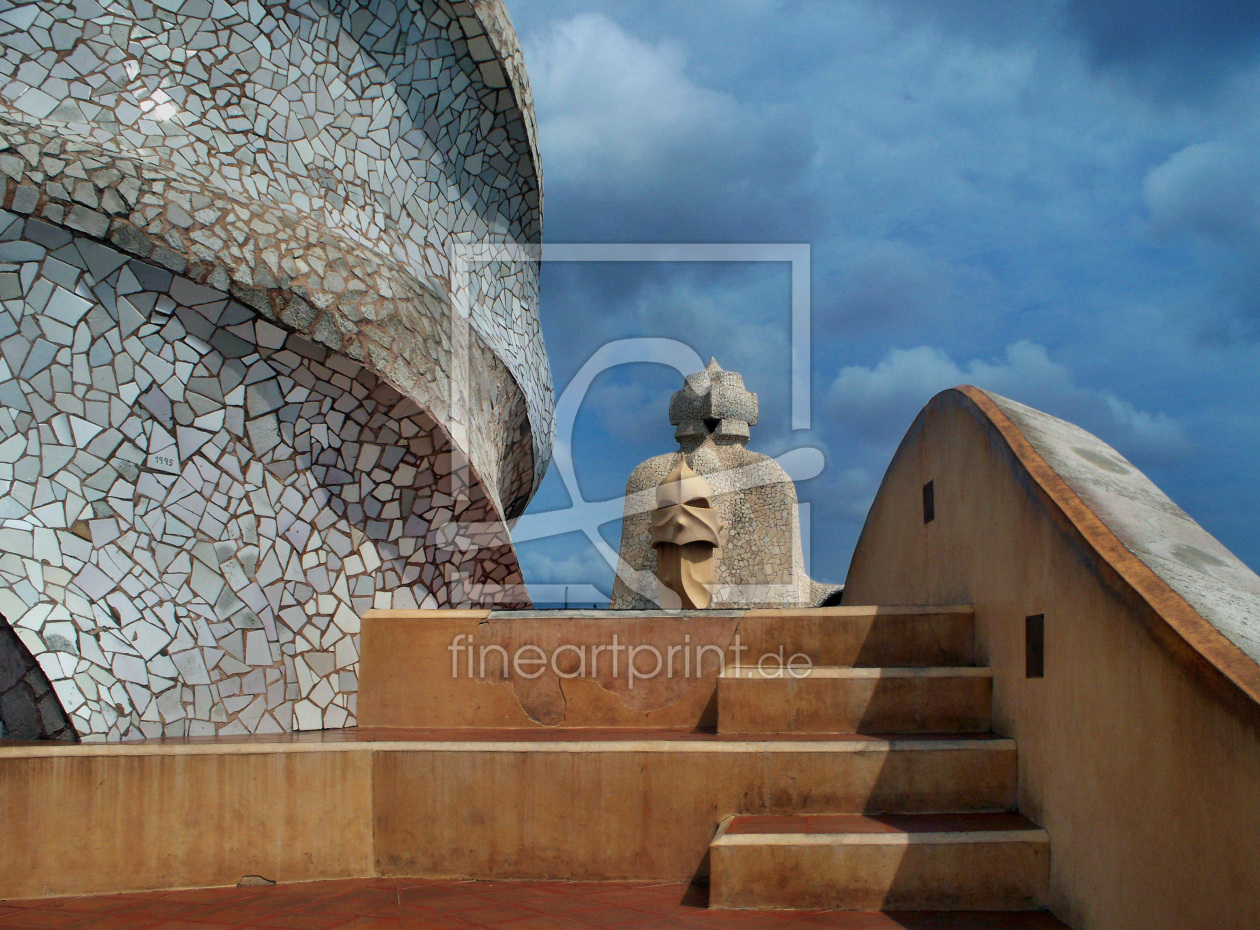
x,y
1035,646
929,503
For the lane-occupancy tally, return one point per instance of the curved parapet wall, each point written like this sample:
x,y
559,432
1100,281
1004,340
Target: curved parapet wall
x,y
250,384
1139,745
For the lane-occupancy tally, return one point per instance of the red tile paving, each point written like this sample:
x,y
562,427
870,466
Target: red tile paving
x,y
411,904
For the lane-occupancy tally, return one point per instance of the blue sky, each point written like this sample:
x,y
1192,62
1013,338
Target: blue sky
x,y
1058,200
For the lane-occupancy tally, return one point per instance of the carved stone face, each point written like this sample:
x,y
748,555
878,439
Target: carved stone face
x,y
685,535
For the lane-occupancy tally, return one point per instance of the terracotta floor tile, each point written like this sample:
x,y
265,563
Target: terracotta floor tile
x,y
564,906
488,914
416,894
418,904
541,921
641,900
420,908
403,883
745,920
158,910
312,918
217,896
612,917
354,909
366,895
432,921
112,921
519,894
457,903
842,920
33,919
98,904
233,914
575,889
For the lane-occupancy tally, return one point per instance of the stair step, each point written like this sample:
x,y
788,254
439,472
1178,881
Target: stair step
x,y
864,636
826,699
972,861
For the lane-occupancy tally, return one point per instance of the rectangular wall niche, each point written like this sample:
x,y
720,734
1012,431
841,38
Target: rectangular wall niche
x,y
1035,646
929,503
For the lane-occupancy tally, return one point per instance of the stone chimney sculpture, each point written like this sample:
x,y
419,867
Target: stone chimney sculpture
x,y
712,525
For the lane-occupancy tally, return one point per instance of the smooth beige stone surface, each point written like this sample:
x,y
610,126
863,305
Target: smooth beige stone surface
x,y
411,678
855,700
867,636
1139,751
103,819
649,811
945,871
88,821
407,678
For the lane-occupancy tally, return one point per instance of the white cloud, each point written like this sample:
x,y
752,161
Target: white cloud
x,y
608,100
881,402
1211,189
576,568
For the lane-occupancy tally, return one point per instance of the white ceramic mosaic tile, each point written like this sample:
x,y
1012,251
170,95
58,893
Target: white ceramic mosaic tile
x,y
200,504
390,126
227,348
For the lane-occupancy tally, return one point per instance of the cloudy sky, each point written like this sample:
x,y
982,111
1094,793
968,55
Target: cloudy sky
x,y
1058,200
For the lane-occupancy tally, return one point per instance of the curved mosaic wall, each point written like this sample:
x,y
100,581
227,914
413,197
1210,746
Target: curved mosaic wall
x,y
229,140
243,396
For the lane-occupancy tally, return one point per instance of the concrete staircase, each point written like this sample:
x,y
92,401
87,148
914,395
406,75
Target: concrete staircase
x,y
910,678
870,781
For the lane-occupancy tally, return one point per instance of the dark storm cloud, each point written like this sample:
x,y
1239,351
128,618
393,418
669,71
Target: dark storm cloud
x,y
1174,48
1173,45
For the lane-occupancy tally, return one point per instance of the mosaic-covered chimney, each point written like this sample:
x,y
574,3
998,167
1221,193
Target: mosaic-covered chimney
x,y
253,382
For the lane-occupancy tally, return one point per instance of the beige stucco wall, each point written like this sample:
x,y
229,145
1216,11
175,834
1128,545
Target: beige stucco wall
x,y
423,668
99,819
107,818
1139,750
